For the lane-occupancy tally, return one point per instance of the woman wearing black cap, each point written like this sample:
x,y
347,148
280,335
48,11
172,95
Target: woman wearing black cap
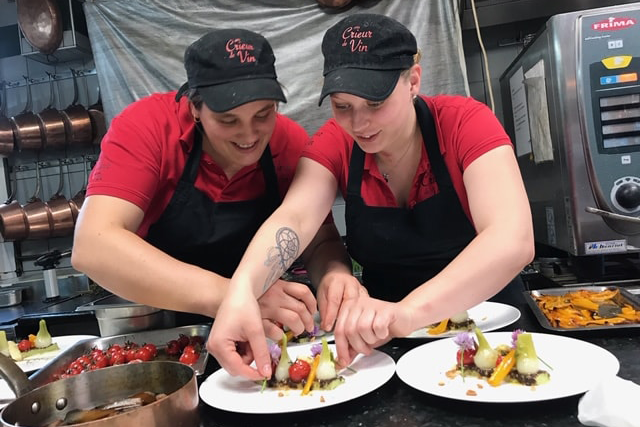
x,y
185,180
436,210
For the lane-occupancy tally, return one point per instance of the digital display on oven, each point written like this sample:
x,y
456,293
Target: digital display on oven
x,y
621,142
620,121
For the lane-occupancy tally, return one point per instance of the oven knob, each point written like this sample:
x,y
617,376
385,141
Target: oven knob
x,y
628,195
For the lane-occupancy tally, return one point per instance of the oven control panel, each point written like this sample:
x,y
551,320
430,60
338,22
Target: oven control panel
x,y
609,59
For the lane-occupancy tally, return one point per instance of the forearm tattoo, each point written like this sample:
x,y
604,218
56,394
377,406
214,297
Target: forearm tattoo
x,y
282,255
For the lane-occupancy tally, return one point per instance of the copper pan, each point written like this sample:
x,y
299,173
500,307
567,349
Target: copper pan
x,y
7,138
98,122
26,126
50,403
52,121
13,221
38,213
77,121
41,23
61,214
76,201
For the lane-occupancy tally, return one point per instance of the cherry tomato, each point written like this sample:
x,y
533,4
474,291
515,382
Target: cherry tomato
x,y
130,344
189,355
75,366
173,348
24,345
143,354
130,354
114,349
467,356
299,370
84,360
183,341
101,361
95,353
196,339
118,358
151,349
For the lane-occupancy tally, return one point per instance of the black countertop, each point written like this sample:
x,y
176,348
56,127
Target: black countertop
x,y
397,404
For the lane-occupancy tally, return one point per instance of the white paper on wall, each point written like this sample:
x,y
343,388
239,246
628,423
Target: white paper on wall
x,y
538,113
520,113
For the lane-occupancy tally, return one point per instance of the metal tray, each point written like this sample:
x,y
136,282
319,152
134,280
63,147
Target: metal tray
x,y
623,297
158,337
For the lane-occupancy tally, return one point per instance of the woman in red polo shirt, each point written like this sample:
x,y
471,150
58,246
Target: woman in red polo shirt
x,y
184,180
436,211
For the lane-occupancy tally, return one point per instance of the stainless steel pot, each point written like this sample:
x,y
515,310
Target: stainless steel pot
x,y
51,402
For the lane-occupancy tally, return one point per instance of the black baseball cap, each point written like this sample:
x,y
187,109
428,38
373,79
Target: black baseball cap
x,y
364,55
230,67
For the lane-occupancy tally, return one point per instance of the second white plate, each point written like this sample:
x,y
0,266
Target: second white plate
x,y
577,366
487,315
221,390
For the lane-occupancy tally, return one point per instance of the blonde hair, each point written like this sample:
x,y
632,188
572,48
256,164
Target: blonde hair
x,y
416,60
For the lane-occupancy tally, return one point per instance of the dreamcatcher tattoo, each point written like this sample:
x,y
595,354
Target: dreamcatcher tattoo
x,y
281,256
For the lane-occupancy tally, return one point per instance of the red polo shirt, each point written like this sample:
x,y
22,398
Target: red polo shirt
x,y
466,130
145,151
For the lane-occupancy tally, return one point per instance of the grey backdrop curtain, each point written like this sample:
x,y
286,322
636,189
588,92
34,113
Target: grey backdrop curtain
x,y
138,45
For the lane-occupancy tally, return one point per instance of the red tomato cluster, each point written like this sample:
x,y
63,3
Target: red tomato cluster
x,y
187,347
132,352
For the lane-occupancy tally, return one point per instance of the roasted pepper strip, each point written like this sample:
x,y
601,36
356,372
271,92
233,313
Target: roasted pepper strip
x,y
312,375
502,370
440,329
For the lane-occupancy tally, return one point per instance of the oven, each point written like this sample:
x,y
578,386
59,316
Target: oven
x,y
571,103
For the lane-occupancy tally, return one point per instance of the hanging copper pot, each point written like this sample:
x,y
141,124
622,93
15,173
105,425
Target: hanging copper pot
x,y
41,24
76,201
26,126
13,221
52,121
38,213
77,120
98,122
62,221
7,138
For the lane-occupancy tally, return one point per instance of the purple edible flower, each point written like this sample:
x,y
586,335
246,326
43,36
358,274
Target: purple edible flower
x,y
465,341
316,349
514,337
275,352
316,331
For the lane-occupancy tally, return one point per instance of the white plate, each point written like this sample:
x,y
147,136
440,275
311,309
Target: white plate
x,y
487,315
36,362
236,394
577,366
5,393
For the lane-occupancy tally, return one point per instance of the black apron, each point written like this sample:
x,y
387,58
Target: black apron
x,y
197,230
400,248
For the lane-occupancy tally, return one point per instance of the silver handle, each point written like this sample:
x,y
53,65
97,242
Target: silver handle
x,y
607,214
